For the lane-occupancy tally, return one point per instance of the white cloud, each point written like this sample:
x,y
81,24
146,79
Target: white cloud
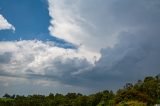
x,y
84,22
4,24
23,57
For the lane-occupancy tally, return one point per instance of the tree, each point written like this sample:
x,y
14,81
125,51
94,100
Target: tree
x,y
7,95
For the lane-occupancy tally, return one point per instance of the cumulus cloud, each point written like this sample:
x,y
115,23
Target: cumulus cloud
x,y
41,62
97,24
125,34
4,24
38,57
133,58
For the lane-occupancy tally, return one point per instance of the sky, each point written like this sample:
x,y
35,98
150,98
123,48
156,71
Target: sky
x,y
84,46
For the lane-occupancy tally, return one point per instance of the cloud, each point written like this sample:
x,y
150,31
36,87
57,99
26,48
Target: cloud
x,y
38,56
123,34
37,62
41,60
5,57
22,86
133,58
97,24
4,24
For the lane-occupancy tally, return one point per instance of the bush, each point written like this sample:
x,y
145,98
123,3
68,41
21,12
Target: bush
x,y
132,103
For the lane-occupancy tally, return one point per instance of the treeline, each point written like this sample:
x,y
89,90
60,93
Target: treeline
x,y
144,93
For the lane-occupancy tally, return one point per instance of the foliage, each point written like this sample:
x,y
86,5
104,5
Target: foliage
x,y
132,103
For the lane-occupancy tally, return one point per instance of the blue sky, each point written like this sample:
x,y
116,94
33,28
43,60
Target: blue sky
x,y
31,19
77,45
